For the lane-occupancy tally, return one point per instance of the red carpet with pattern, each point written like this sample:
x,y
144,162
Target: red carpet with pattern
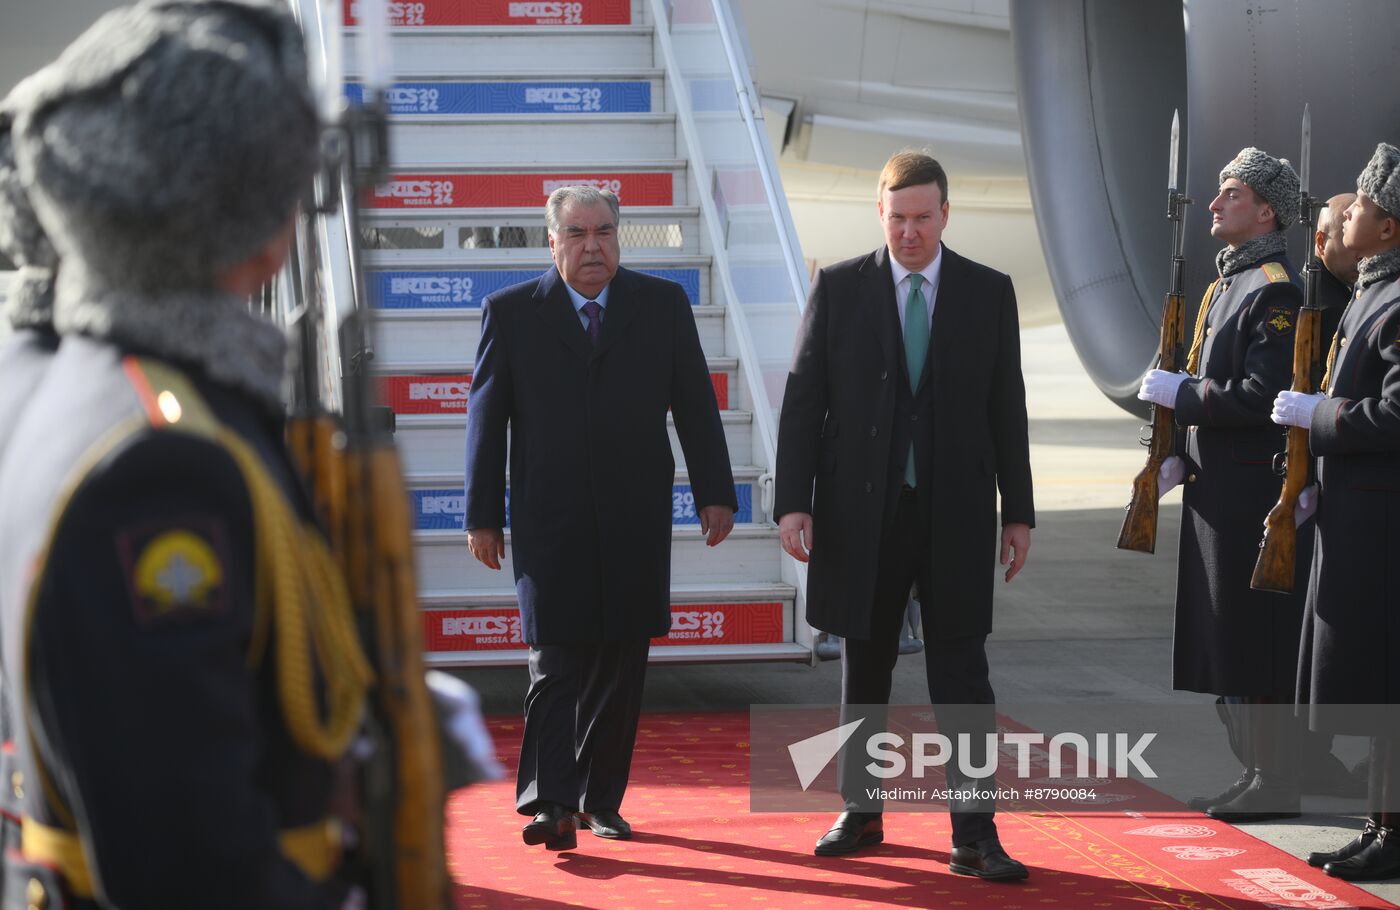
x,y
697,846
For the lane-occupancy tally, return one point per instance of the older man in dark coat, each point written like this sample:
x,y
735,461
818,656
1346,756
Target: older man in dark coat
x,y
900,422
1350,658
581,365
1230,639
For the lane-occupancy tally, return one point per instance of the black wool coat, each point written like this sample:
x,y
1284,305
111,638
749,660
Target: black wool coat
x,y
1350,652
591,468
968,426
1229,638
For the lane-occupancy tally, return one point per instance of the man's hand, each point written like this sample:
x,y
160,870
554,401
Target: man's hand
x,y
795,531
1307,505
488,545
716,521
1295,409
1015,544
1160,387
1170,475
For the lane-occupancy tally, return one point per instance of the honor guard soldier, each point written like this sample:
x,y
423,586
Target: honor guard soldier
x,y
181,655
1231,640
1349,673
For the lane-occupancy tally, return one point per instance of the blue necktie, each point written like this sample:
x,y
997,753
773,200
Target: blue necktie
x,y
915,350
594,312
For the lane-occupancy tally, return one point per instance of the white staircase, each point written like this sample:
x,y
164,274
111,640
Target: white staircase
x,y
495,104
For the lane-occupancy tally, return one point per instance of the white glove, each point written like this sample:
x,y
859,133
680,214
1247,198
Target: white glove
x,y
460,707
1295,409
1170,476
1160,387
1307,505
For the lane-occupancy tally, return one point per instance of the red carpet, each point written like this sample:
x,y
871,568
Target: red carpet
x,y
697,845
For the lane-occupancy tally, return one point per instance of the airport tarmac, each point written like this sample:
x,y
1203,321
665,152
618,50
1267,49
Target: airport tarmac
x,y
1084,626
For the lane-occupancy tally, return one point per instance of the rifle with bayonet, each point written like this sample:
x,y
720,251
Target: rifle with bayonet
x,y
353,471
1139,531
1276,568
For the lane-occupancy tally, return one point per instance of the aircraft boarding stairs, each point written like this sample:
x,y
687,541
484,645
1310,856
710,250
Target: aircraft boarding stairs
x,y
495,104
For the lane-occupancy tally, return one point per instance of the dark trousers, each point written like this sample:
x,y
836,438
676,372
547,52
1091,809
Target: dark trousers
x,y
956,669
581,714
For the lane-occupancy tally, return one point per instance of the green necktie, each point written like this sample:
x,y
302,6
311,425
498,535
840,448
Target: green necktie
x,y
915,349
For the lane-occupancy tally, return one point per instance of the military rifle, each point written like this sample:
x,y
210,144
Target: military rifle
x,y
1276,568
1139,531
354,473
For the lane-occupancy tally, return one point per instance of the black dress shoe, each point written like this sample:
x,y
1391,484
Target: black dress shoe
x,y
1348,850
1263,800
1202,803
1377,861
852,831
986,859
552,826
606,823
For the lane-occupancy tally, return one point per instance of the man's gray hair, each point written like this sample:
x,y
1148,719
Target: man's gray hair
x,y
581,194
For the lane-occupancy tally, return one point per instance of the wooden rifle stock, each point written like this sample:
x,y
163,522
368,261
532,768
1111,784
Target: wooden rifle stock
x,y
385,594
1139,531
1276,567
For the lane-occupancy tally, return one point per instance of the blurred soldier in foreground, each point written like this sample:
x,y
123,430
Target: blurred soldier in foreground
x,y
1231,640
1349,671
181,652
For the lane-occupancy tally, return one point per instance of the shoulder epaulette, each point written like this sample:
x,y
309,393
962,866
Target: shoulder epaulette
x,y
1275,272
168,398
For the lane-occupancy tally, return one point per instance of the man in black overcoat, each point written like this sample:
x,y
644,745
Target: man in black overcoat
x,y
904,414
1349,670
581,366
1231,640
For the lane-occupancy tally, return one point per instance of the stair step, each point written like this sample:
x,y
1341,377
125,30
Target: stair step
x,y
439,503
419,140
412,15
455,293
750,553
467,231
437,443
503,50
526,186
442,387
678,654
503,595
637,92
757,625
446,340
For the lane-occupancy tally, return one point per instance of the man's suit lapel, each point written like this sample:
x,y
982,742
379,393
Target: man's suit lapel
x,y
622,306
878,304
552,304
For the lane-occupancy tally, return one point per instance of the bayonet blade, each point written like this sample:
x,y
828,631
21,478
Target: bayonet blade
x,y
1176,144
1305,162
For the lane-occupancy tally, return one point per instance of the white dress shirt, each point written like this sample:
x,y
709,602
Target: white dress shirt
x,y
929,289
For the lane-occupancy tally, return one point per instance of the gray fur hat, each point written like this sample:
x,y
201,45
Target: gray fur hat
x,y
168,142
1272,178
30,302
1381,179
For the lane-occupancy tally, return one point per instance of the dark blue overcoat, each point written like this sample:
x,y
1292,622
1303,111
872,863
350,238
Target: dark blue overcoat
x,y
591,468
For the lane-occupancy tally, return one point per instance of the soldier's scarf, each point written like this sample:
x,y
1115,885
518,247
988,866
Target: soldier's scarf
x,y
1381,267
1234,259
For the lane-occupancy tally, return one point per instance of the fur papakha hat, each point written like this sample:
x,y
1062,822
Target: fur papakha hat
x,y
1381,179
168,142
1272,178
23,240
